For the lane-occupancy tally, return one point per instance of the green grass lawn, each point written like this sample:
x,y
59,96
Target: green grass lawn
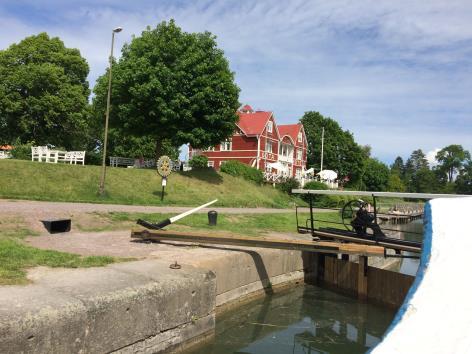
x,y
61,182
16,257
241,224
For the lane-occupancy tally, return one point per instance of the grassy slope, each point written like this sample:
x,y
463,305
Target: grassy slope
x,y
58,182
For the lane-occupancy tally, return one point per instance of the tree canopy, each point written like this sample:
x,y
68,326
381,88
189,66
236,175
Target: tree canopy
x,y
172,87
43,93
376,175
341,153
451,159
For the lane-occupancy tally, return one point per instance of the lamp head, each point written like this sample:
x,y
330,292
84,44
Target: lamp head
x,y
117,29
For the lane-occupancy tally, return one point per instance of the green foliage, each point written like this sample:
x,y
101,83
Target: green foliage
x,y
376,175
238,169
21,151
398,167
424,181
170,85
341,153
199,161
43,93
395,183
288,184
464,179
324,201
451,159
315,185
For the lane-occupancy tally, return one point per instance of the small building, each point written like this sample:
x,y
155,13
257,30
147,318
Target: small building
x,y
279,151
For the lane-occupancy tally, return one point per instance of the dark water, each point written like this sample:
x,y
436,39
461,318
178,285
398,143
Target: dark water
x,y
413,231
305,319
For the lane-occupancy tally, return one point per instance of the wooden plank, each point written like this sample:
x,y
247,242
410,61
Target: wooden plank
x,y
301,245
359,240
362,278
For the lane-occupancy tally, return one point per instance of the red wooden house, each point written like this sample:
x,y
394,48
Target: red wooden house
x,y
278,150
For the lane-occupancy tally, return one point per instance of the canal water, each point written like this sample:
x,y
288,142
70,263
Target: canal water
x,y
304,319
412,231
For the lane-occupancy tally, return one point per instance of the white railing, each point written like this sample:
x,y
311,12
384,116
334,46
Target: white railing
x,y
44,154
4,155
288,159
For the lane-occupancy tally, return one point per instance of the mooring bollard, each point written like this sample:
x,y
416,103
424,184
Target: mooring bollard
x,y
212,217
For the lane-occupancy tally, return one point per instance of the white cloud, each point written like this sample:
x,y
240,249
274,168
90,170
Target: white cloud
x,y
431,157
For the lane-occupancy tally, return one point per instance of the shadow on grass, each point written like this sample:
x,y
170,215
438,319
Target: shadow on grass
x,y
206,175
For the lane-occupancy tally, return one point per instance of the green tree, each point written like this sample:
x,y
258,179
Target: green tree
x,y
395,183
341,153
424,181
172,87
397,167
376,175
451,159
464,179
43,93
416,162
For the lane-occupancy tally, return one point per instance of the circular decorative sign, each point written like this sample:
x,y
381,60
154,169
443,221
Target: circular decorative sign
x,y
164,166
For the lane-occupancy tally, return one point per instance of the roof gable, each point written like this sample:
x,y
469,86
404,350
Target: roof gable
x,y
253,123
290,130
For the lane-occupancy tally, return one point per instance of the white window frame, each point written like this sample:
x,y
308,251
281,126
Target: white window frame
x,y
211,164
300,137
211,148
299,154
268,147
224,145
270,126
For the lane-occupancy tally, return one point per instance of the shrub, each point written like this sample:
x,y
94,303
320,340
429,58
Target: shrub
x,y
198,162
321,201
289,184
21,152
238,169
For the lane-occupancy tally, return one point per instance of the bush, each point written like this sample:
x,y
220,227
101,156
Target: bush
x,y
322,201
238,169
21,152
199,162
289,184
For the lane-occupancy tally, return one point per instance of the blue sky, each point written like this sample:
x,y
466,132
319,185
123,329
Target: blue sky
x,y
398,74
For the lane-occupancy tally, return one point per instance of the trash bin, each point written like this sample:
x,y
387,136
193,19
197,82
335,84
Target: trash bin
x,y
212,216
55,226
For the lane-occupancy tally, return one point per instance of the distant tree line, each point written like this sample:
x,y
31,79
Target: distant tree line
x,y
358,170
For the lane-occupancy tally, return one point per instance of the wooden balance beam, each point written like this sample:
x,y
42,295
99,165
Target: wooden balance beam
x,y
264,242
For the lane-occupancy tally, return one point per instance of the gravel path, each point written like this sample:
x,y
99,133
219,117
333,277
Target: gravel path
x,y
26,208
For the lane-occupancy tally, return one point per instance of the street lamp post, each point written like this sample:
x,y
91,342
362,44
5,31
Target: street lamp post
x,y
107,114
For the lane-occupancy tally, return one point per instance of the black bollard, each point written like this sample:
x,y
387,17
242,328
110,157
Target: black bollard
x,y
212,216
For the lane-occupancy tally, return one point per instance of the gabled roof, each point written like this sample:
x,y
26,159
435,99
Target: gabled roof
x,y
247,108
290,130
253,123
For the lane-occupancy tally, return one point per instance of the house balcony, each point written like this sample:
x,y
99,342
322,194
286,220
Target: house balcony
x,y
288,159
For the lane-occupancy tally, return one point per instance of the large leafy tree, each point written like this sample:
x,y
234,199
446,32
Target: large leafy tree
x,y
172,87
341,153
376,175
451,159
43,93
